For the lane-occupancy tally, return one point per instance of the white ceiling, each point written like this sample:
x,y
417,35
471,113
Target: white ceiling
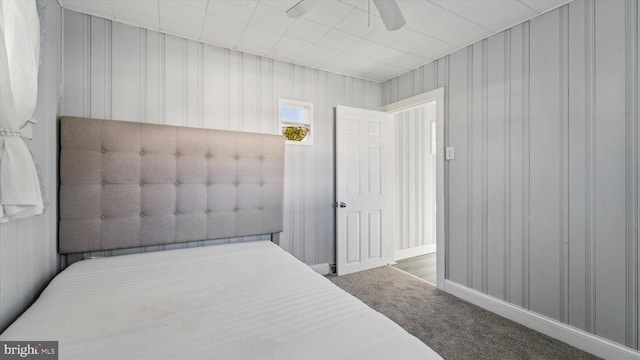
x,y
333,35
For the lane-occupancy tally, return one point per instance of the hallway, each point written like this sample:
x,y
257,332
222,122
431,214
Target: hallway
x,y
423,266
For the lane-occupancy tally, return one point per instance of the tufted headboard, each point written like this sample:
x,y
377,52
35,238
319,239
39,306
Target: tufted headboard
x,y
125,184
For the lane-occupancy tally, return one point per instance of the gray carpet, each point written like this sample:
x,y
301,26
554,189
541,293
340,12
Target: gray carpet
x,y
452,327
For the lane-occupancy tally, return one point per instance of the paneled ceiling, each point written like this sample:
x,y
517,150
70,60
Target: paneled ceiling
x,y
333,35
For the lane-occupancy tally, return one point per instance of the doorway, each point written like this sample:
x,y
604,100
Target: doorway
x,y
415,188
428,260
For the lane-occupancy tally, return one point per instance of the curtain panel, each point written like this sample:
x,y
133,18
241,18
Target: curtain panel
x,y
20,194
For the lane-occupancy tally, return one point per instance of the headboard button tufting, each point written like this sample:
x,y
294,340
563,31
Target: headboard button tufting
x,y
125,211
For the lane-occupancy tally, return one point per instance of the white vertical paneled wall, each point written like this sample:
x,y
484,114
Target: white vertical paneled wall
x,y
542,198
415,182
28,250
121,72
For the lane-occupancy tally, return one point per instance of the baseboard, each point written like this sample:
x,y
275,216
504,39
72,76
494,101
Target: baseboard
x,y
322,269
573,336
415,251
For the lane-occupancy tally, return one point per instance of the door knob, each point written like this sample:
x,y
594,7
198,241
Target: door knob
x,y
343,205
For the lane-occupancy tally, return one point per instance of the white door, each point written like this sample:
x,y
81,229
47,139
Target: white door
x,y
364,150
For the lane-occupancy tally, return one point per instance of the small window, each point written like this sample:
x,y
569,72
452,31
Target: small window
x,y
296,120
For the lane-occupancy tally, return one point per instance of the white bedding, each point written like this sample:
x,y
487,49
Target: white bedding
x,y
236,301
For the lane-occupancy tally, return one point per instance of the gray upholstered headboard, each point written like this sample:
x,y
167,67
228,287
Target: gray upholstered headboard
x,y
125,184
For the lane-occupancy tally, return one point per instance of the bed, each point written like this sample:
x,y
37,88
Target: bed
x,y
125,185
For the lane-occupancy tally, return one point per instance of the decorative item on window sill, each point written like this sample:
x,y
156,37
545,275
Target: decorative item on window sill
x,y
295,133
296,121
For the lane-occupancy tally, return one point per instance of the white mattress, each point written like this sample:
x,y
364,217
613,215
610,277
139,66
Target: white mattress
x,y
236,301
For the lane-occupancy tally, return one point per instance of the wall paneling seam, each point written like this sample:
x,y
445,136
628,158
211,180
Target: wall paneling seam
x,y
239,120
636,140
186,93
447,141
484,176
143,75
162,69
227,91
316,192
564,163
631,30
436,78
107,69
469,166
86,64
506,294
419,166
526,166
590,286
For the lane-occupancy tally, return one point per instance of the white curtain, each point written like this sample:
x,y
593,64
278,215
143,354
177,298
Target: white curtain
x,y
20,194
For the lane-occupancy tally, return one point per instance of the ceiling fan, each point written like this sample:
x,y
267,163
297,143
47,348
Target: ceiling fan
x,y
388,9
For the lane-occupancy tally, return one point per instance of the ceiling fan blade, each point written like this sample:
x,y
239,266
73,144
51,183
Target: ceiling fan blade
x,y
390,14
300,8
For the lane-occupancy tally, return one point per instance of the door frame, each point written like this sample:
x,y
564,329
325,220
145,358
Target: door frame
x,y
436,95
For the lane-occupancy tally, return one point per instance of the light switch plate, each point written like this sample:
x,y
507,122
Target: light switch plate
x,y
449,153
